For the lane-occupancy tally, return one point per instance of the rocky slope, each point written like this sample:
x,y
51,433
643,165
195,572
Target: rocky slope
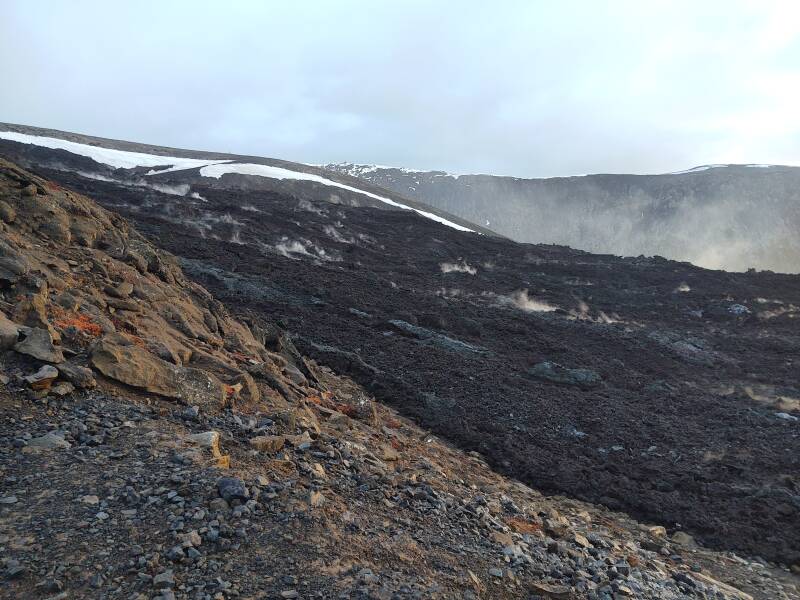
x,y
646,385
153,447
732,217
650,386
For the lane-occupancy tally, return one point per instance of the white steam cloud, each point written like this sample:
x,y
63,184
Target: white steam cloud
x,y
459,267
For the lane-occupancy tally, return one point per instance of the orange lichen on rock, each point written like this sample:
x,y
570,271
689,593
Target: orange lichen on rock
x,y
80,322
523,526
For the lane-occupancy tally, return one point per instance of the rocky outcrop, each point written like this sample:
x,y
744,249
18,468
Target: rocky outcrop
x,y
38,343
139,368
555,373
84,284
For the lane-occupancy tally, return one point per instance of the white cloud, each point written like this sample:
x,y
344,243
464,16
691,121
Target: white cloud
x,y
523,88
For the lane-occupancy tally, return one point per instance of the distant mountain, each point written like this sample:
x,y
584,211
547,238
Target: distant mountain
x,y
730,217
180,171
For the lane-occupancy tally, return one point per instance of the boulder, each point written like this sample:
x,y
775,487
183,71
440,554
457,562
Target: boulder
x,y
209,442
77,375
248,391
123,290
268,443
9,333
553,372
43,378
12,268
232,488
136,367
48,441
38,343
62,388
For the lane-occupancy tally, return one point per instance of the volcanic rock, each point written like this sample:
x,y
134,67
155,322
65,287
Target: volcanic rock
x,y
136,367
79,376
43,378
38,343
550,371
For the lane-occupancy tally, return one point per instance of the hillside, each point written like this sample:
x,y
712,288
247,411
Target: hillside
x,y
213,464
640,385
144,165
732,217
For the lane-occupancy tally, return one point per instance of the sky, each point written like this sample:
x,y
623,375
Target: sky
x,y
530,89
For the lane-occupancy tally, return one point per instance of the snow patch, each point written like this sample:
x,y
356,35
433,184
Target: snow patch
x,y
118,159
218,170
707,167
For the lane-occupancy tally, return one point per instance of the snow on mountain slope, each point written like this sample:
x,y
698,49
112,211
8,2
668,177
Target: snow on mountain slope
x,y
119,159
218,170
212,168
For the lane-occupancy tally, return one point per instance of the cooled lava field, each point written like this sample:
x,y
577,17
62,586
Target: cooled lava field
x,y
650,386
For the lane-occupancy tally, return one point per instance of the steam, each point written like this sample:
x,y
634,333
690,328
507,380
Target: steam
x,y
312,208
334,234
95,176
523,301
753,224
181,189
519,299
459,267
174,190
296,249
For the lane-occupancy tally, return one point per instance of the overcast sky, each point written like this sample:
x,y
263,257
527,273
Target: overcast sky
x,y
521,88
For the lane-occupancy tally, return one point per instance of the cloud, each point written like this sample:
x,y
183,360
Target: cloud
x,y
520,88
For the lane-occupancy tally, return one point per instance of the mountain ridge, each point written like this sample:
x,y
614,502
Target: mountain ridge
x,y
352,185
734,217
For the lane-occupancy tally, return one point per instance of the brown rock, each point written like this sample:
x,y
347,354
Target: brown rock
x,y
7,212
123,304
43,378
268,443
9,332
389,454
123,290
136,367
559,592
249,391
